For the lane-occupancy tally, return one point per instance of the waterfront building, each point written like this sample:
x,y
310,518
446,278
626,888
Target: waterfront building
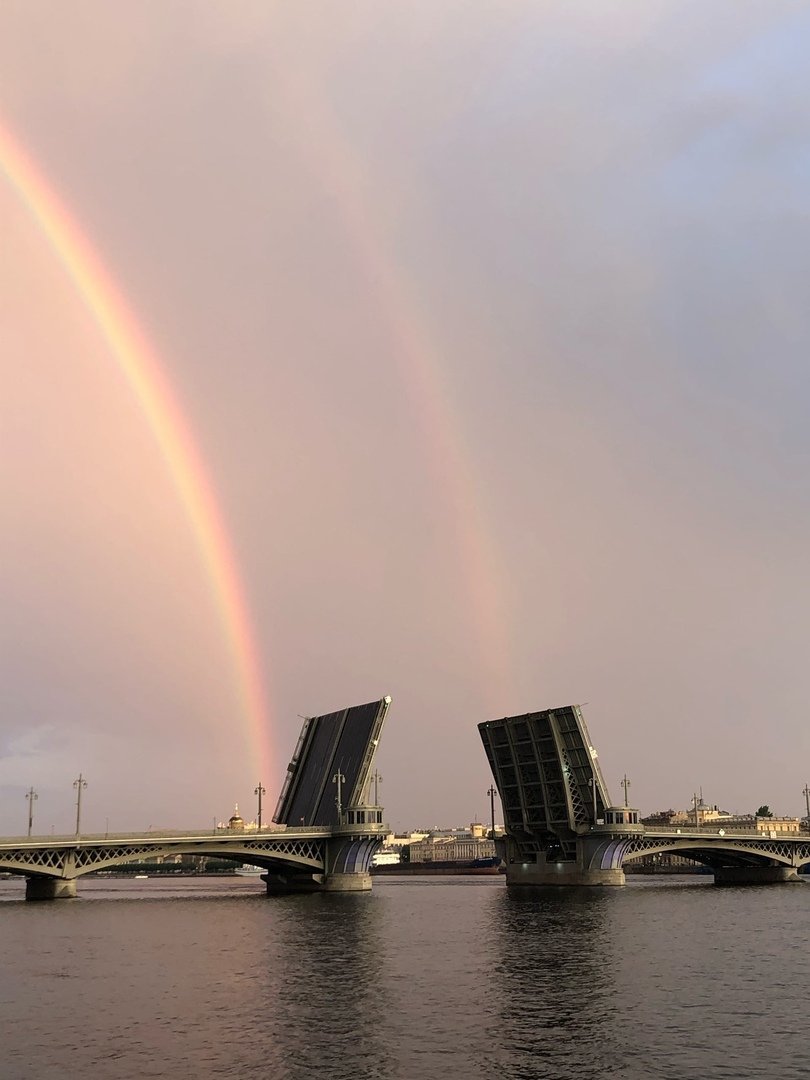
x,y
712,817
398,841
455,845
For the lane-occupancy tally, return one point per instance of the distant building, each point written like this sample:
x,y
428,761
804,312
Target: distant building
x,y
712,817
398,841
665,817
236,823
454,845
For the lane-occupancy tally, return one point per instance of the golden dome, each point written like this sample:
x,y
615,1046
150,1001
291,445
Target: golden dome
x,y
235,821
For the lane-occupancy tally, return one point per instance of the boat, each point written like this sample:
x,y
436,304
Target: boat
x,y
250,871
479,867
385,858
141,877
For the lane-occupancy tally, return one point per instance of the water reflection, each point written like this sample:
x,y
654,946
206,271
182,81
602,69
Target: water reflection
x,y
556,996
328,988
424,978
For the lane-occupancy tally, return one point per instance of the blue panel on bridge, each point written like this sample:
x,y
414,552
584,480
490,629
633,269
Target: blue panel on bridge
x,y
341,742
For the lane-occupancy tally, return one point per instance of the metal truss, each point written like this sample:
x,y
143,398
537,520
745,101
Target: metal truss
x,y
73,859
710,850
581,813
45,859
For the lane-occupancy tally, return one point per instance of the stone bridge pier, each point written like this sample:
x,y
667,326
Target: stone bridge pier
x,y
347,857
755,875
49,888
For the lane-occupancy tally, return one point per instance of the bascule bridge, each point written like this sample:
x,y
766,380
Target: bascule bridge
x,y
324,835
562,828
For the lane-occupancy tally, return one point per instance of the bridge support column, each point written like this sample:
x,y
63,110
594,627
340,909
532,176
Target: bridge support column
x,y
754,875
347,883
566,874
347,859
348,862
280,884
46,888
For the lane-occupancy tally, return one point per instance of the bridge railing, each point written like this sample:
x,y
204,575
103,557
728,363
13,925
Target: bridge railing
x,y
714,829
164,834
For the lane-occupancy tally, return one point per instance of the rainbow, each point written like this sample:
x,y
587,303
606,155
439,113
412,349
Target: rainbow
x,y
139,366
416,351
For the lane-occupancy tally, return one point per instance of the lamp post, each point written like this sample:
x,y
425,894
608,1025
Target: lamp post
x,y
339,779
625,785
806,794
259,791
695,801
32,798
80,784
592,785
492,793
377,781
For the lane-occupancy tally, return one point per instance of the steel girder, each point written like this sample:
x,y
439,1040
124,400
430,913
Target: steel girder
x,y
610,853
74,859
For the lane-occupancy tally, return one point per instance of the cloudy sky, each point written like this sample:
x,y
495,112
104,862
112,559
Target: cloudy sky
x,y
490,322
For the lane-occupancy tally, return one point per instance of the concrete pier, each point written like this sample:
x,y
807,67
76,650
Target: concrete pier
x,y
47,888
562,874
347,883
280,884
755,875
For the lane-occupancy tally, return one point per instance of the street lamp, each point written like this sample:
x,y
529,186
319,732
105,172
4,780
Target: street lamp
x,y
80,784
32,798
259,791
592,785
377,781
339,779
806,794
492,793
625,785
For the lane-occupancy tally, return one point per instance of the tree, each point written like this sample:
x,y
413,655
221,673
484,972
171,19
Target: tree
x,y
764,811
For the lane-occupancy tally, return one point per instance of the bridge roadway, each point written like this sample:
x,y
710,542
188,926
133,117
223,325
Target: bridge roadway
x,y
310,859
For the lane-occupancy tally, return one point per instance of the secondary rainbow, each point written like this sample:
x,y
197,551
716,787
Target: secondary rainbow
x,y
139,365
416,350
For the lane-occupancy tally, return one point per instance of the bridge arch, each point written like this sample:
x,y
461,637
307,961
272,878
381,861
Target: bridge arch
x,y
612,853
74,862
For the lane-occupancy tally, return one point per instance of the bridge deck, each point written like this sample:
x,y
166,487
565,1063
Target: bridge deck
x,y
157,836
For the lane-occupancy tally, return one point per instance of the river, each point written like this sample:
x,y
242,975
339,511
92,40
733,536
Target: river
x,y
424,978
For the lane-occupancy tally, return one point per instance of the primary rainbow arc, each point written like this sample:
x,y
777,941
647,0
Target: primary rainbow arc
x,y
140,367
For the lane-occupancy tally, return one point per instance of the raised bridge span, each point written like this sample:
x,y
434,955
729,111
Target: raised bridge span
x,y
562,829
325,834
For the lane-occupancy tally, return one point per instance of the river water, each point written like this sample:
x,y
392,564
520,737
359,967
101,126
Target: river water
x,y
422,978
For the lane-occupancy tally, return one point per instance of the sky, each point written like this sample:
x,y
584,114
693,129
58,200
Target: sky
x,y
488,322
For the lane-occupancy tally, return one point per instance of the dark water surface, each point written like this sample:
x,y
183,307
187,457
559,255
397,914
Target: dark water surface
x,y
423,978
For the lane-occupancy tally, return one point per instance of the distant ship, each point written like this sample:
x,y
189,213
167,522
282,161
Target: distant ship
x,y
250,871
385,858
482,866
